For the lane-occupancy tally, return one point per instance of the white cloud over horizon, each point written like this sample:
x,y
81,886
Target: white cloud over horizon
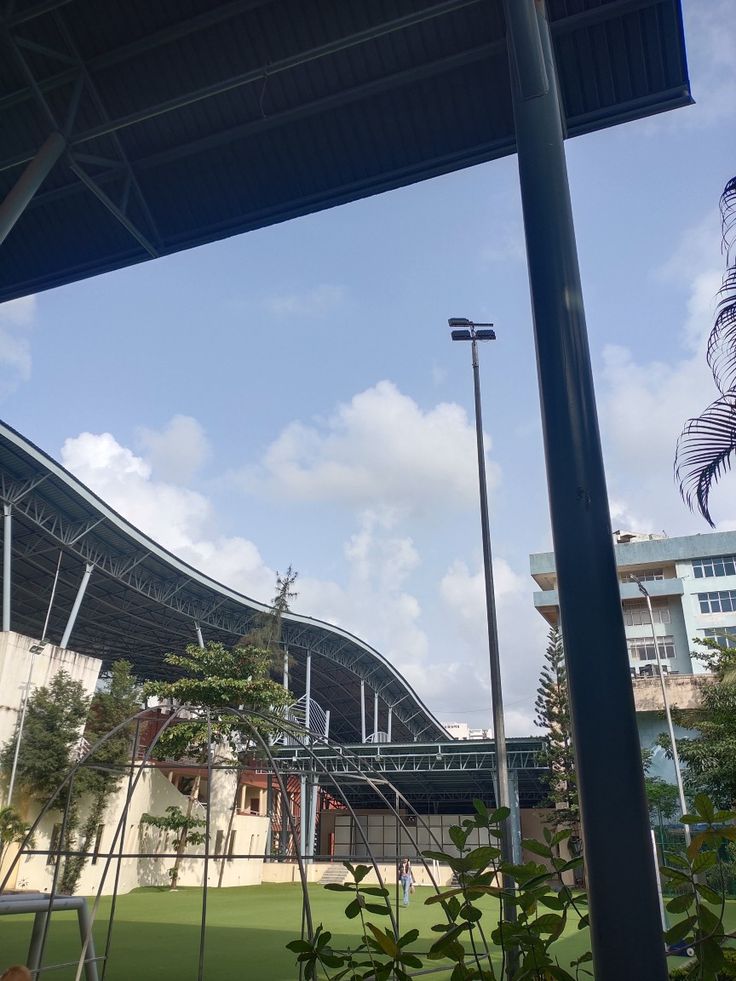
x,y
380,450
178,450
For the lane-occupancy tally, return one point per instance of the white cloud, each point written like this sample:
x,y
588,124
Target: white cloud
x,y
521,634
177,451
16,320
379,450
644,404
315,302
179,519
374,602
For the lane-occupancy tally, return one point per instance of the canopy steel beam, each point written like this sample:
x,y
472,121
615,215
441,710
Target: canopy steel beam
x,y
601,697
17,200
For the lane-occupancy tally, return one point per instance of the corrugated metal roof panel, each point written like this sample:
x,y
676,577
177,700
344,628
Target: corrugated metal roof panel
x,y
233,115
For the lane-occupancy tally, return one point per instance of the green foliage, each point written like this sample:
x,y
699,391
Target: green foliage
x,y
53,726
183,827
213,678
662,797
118,700
12,830
553,715
544,906
704,906
710,757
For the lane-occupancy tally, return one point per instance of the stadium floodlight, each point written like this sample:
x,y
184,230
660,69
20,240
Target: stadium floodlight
x,y
463,329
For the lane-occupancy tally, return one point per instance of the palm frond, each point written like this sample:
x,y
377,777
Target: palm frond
x,y
721,352
704,453
728,219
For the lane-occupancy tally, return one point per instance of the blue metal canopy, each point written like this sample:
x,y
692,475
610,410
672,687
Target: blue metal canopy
x,y
186,121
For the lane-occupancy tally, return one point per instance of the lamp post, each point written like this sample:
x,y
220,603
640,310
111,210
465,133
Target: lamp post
x,y
465,330
665,698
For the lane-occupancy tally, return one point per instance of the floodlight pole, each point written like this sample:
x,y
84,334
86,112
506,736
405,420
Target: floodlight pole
x,y
470,331
665,699
624,906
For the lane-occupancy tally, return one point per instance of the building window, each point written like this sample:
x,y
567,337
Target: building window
x,y
642,649
219,842
231,847
636,613
646,575
98,839
723,601
725,636
721,565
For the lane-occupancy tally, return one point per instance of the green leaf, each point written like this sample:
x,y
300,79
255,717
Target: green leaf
x,y
339,887
548,923
352,909
437,856
680,930
710,957
681,903
379,910
532,845
409,937
675,874
299,946
704,807
708,894
387,943
458,837
471,913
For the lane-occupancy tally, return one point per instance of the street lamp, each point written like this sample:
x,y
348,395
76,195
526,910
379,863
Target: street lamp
x,y
463,329
665,698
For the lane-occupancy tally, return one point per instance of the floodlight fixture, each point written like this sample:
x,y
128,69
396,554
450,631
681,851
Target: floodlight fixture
x,y
463,329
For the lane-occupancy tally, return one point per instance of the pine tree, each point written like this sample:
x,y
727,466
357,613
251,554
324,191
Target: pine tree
x,y
553,716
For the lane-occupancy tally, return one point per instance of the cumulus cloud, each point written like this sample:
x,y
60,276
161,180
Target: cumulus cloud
x,y
315,302
379,450
521,639
177,451
181,520
16,320
644,404
374,601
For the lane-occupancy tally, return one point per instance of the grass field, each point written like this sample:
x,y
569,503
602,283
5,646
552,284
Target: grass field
x,y
156,933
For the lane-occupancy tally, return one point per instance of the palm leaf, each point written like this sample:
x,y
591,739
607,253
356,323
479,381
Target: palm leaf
x,y
705,451
721,352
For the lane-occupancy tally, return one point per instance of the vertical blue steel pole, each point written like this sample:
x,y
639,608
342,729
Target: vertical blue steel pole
x,y
362,710
624,908
7,540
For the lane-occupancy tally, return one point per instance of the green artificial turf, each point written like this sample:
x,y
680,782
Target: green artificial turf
x,y
156,933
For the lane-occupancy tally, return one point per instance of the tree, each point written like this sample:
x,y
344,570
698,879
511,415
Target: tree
x,y
12,831
212,680
51,734
706,446
553,715
119,699
710,757
663,797
267,630
184,827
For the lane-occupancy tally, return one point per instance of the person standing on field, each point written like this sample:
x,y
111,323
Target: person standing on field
x,y
406,878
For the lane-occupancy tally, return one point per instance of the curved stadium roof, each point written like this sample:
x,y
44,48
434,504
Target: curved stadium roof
x,y
142,601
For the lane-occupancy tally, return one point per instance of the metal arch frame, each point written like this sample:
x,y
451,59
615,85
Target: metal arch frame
x,y
184,591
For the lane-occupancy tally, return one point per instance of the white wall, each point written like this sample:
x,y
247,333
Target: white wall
x,y
153,794
15,659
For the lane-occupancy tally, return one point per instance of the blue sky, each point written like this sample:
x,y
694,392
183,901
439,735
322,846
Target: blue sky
x,y
291,396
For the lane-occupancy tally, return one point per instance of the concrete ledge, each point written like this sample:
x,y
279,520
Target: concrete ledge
x,y
683,690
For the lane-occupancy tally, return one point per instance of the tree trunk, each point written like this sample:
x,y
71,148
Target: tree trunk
x,y
193,796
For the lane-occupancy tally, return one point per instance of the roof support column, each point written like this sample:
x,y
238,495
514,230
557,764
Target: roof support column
x,y
198,631
77,603
308,695
375,717
7,542
286,669
362,711
28,183
388,724
607,750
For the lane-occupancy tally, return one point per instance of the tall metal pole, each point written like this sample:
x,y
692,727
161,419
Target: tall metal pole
x,y
499,727
624,907
7,559
362,711
665,699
